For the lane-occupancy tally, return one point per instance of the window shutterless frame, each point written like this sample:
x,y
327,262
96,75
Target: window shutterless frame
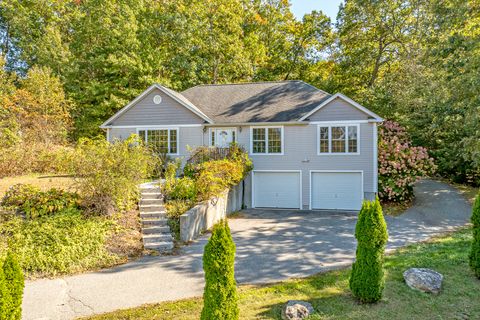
x,y
329,126
168,129
282,142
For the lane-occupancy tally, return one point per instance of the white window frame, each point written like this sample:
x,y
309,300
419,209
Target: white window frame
x,y
329,126
210,130
267,153
163,128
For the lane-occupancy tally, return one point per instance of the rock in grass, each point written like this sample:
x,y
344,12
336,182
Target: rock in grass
x,y
296,310
423,279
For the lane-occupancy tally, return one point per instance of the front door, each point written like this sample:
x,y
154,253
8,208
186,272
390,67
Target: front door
x,y
223,137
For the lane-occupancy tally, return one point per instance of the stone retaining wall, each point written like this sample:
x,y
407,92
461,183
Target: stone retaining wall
x,y
205,214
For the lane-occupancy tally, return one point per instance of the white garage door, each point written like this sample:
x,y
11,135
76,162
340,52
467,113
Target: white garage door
x,y
336,190
276,189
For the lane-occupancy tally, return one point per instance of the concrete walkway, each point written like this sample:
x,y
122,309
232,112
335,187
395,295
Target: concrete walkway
x,y
272,245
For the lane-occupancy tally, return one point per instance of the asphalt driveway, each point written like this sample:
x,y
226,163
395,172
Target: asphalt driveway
x,y
272,245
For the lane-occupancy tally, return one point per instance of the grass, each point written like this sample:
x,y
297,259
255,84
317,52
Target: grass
x,y
329,293
42,181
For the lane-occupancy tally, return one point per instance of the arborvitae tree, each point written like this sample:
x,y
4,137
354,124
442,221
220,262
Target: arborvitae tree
x,y
367,278
11,308
475,252
220,295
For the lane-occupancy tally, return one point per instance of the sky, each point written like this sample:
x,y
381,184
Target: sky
x,y
329,7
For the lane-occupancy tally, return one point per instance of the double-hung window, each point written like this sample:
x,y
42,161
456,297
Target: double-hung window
x,y
338,139
267,140
160,140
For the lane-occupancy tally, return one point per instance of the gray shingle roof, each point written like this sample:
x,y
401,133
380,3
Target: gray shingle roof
x,y
256,102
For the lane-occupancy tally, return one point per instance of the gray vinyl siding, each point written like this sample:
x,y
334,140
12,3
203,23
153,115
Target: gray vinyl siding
x,y
168,112
337,110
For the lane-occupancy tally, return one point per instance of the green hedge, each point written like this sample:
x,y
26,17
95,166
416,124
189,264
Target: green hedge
x,y
367,278
11,289
220,295
475,251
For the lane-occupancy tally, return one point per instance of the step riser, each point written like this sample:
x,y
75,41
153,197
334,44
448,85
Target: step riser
x,y
151,216
155,196
151,202
160,209
152,241
165,248
159,223
156,230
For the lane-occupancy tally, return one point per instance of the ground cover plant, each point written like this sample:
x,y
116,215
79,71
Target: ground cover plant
x,y
330,295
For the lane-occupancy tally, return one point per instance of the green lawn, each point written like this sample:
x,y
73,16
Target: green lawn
x,y
330,295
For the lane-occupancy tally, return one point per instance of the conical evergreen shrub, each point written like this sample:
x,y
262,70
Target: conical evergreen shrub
x,y
4,298
220,295
475,250
367,278
11,308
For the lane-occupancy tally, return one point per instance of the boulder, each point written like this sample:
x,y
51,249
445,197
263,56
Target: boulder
x,y
296,310
423,279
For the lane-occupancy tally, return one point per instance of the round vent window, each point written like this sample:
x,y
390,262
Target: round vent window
x,y
157,99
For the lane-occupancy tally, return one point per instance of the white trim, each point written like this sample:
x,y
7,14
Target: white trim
x,y
375,158
295,171
164,128
331,171
144,93
337,124
340,122
156,126
347,99
273,123
266,141
220,128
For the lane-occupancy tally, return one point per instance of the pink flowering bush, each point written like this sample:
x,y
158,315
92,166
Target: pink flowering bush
x,y
400,164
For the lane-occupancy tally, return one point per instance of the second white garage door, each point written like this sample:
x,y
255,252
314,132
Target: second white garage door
x,y
336,190
276,189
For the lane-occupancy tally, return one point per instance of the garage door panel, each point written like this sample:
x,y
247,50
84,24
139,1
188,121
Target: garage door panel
x,y
276,189
336,190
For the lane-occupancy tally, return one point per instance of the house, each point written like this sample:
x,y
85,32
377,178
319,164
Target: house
x,y
310,149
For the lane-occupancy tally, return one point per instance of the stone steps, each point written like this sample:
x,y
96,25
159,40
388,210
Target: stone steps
x,y
155,230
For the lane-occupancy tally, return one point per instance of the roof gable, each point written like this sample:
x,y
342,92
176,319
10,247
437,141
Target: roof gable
x,y
371,115
175,96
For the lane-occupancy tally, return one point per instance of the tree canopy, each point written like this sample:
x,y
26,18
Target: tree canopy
x,y
415,62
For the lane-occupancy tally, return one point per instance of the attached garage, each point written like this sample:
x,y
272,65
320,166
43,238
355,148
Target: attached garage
x,y
277,189
336,190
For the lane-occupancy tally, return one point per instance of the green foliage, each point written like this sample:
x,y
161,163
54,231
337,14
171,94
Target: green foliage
x,y
64,243
11,298
475,250
220,295
367,278
108,174
181,189
32,202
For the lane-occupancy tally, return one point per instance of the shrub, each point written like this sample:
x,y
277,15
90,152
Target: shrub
x,y
215,176
475,251
220,294
180,189
5,299
32,202
400,164
11,306
367,278
67,242
108,174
